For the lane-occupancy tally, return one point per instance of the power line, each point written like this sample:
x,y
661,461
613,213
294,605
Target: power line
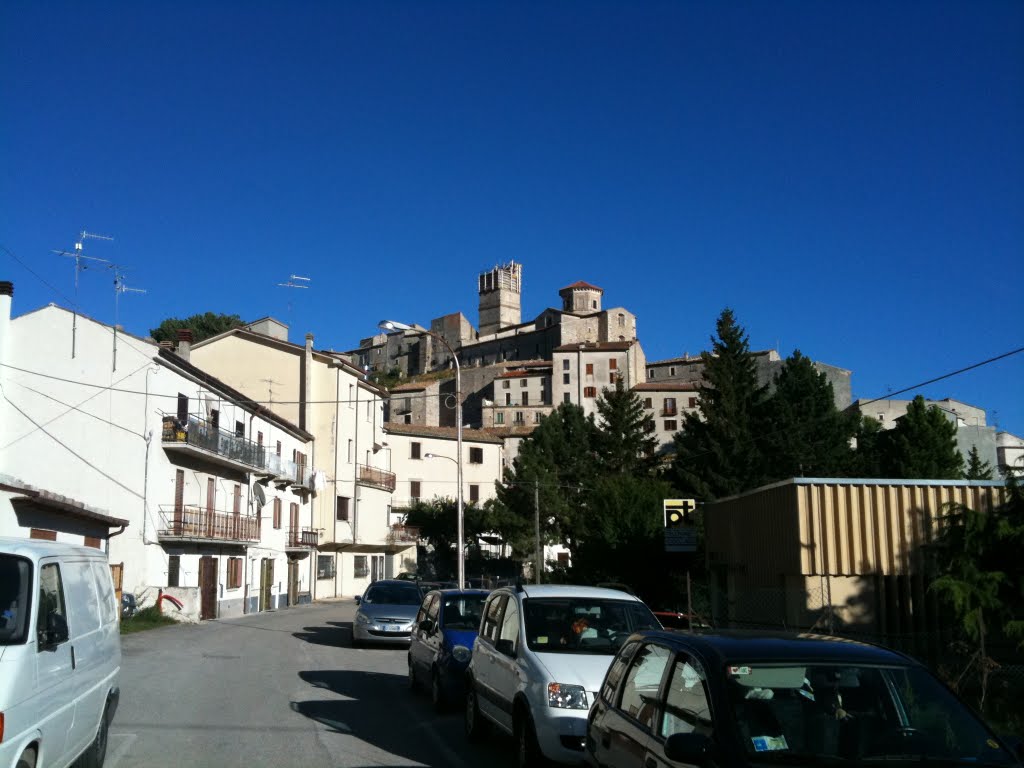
x,y
32,272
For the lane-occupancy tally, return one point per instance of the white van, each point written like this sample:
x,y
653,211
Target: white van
x,y
60,654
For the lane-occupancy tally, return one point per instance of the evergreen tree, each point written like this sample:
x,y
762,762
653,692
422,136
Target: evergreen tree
x,y
922,445
717,453
202,326
868,457
805,434
625,441
976,468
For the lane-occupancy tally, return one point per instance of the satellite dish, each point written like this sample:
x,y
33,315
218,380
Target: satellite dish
x,y
260,494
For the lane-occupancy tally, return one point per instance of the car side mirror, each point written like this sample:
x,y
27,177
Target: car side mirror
x,y
505,647
692,748
56,630
358,599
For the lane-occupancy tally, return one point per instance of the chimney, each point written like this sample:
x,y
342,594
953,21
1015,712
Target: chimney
x,y
305,409
184,347
6,297
168,345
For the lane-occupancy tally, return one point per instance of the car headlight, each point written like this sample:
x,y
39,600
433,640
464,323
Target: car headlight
x,y
362,619
564,696
461,653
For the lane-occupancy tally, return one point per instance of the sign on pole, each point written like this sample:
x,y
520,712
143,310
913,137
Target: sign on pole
x,y
680,534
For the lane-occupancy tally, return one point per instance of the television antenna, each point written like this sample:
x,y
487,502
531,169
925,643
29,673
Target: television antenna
x,y
294,281
81,263
120,287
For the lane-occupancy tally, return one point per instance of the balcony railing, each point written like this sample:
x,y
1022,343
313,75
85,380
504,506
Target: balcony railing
x,y
403,534
296,474
377,478
669,411
301,538
209,440
189,522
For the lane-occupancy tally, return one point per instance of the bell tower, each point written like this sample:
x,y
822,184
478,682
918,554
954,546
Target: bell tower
x,y
500,291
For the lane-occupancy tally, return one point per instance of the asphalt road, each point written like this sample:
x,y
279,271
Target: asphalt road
x,y
283,688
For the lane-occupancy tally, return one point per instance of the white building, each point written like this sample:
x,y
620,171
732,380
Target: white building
x,y
100,430
1010,453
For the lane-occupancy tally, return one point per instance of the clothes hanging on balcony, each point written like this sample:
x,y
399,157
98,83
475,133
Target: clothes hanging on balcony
x,y
318,481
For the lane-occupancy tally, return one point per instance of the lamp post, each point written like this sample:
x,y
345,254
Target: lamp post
x,y
394,325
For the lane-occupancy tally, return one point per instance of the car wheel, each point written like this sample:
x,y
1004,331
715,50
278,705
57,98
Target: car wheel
x,y
27,759
94,756
473,720
412,675
437,692
528,754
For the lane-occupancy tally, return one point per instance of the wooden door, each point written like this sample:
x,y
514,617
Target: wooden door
x,y
266,583
207,587
293,582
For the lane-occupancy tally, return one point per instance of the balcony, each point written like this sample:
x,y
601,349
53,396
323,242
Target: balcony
x,y
196,524
376,478
403,534
669,410
301,538
292,474
200,439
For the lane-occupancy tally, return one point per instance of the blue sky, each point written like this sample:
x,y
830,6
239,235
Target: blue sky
x,y
848,177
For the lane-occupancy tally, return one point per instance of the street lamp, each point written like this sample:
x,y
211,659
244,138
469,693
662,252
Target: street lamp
x,y
394,325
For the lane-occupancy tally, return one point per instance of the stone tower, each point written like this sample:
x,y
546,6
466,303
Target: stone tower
x,y
581,298
500,291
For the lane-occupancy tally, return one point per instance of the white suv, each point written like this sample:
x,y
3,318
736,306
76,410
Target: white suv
x,y
539,660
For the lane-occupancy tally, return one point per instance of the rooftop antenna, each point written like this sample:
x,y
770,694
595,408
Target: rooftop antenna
x,y
291,283
79,258
119,288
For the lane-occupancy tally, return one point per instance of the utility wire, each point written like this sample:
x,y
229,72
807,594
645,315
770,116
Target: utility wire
x,y
36,275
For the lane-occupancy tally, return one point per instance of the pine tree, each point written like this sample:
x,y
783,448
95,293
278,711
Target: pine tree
x,y
717,453
625,441
976,468
805,434
922,445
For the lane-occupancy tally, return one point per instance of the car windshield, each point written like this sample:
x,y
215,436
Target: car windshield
x,y
463,611
392,594
817,714
15,586
583,625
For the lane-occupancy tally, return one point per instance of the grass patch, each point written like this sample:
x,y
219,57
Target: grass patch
x,y
147,618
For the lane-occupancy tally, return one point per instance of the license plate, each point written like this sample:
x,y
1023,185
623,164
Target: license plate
x,y
392,628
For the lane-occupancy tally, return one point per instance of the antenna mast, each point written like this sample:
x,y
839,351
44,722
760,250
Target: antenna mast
x,y
78,256
119,288
291,283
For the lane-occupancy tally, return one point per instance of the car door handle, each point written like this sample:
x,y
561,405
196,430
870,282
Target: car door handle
x,y
72,657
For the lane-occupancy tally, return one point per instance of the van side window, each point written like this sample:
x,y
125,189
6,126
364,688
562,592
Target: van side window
x,y
80,589
52,625
105,591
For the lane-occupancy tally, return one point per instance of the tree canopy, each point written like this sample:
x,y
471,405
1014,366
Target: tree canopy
x,y
922,445
625,439
202,326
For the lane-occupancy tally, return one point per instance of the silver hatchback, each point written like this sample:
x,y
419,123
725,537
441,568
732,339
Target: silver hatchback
x,y
386,612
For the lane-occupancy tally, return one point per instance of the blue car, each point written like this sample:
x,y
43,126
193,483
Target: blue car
x,y
442,642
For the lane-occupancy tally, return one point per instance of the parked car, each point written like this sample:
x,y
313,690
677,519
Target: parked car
x,y
740,699
60,654
442,642
680,620
386,612
539,659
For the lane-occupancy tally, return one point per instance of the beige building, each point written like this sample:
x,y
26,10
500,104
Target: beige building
x,y
667,402
580,372
327,396
829,554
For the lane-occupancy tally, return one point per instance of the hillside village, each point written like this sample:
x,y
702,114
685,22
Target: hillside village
x,y
248,471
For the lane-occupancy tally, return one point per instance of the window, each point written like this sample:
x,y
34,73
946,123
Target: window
x,y
622,320
566,397
360,569
277,512
508,398
349,459
492,616
325,566
650,373
239,429
563,558
590,391
649,426
341,509
671,425
613,363
351,396
215,418
565,364
510,625
278,447
640,691
476,455
234,572
686,703
693,402
415,448
537,416
648,403
523,382
565,378
590,369
506,384
474,493
613,377
174,571
526,398
51,602
519,418
672,371
499,418
182,408
414,490
615,671
259,439
669,407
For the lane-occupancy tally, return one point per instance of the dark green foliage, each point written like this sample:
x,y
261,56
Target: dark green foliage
x,y
976,468
867,459
922,446
438,523
804,435
202,326
625,441
719,455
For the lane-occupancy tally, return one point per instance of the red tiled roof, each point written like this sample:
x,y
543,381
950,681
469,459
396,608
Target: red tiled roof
x,y
667,386
597,346
448,433
581,284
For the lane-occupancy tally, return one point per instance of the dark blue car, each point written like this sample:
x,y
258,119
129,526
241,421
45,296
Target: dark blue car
x,y
442,641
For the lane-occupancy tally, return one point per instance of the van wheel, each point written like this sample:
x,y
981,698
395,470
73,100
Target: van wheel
x,y
27,759
94,756
473,720
528,754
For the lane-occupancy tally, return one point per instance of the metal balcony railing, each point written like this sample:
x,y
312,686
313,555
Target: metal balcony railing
x,y
403,534
296,474
377,478
191,522
302,537
201,434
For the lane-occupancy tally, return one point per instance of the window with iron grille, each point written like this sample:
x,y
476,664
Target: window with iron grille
x,y
325,566
476,455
